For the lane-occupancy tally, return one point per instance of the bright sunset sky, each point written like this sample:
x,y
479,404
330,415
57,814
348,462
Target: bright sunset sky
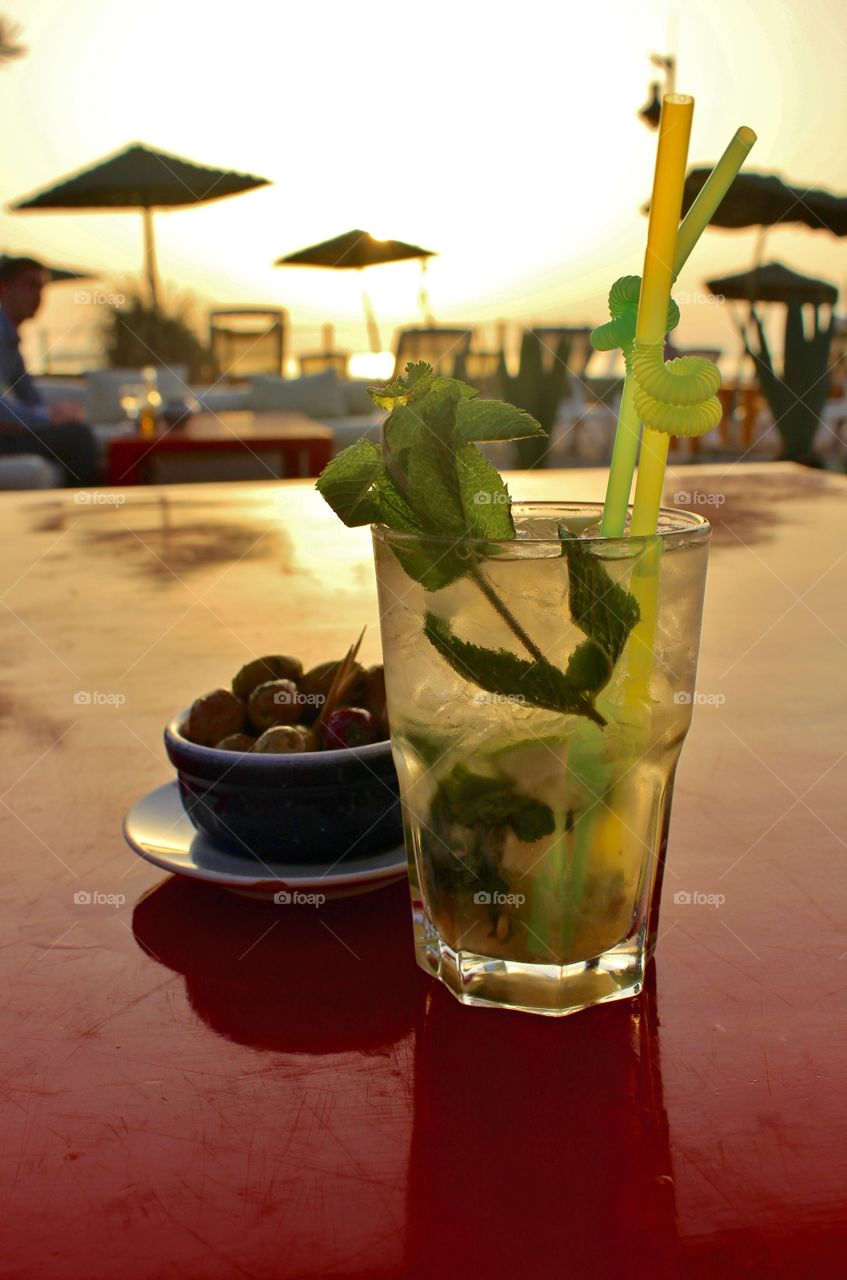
x,y
503,136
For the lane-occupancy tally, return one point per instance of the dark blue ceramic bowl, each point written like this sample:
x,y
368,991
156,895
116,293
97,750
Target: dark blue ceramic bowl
x,y
316,807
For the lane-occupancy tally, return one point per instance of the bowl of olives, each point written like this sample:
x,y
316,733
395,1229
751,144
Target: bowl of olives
x,y
290,765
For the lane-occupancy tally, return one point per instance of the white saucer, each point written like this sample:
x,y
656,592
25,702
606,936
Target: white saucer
x,y
159,830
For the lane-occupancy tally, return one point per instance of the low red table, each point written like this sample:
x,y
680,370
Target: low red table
x,y
234,444
198,1086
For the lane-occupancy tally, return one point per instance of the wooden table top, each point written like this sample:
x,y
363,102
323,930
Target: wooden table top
x,y
197,1086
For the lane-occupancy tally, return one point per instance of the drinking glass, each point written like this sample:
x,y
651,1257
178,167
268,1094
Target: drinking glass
x,y
536,834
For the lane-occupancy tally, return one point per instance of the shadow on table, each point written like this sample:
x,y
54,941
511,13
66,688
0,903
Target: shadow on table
x,y
163,537
744,509
294,979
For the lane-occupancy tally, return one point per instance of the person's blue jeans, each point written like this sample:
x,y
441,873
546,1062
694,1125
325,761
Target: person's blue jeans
x,y
71,445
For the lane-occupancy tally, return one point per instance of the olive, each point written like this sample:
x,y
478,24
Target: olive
x,y
316,683
275,702
374,699
275,666
214,716
236,742
283,739
348,727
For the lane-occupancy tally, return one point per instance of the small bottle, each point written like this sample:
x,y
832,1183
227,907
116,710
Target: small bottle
x,y
148,413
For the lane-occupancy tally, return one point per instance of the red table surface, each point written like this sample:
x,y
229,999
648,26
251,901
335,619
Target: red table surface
x,y
202,1086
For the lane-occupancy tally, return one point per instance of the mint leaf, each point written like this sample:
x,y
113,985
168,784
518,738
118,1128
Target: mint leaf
x,y
589,667
434,493
494,420
470,799
346,482
498,671
391,508
486,504
416,382
602,609
403,429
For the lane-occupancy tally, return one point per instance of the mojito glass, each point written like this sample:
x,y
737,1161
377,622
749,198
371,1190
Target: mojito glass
x,y
536,834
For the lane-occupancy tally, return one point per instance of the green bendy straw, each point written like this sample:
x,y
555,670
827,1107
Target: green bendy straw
x,y
628,431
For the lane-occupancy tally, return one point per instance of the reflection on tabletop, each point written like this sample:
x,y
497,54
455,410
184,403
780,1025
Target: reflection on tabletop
x,y
515,1119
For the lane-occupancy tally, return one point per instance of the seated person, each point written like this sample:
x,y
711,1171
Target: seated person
x,y
27,425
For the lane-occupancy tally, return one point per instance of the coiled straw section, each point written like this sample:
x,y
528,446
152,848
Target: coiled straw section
x,y
678,397
623,308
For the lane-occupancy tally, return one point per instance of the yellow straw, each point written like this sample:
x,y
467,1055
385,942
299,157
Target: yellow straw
x,y
657,278
628,433
659,260
654,444
665,207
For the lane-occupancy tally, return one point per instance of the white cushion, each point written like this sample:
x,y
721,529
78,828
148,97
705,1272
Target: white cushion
x,y
222,399
52,391
319,395
103,389
28,471
363,426
356,396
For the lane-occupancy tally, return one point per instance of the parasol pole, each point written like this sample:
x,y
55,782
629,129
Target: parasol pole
x,y
150,258
423,296
370,320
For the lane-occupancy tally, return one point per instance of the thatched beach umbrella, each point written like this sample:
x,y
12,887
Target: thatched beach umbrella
x,y
141,178
774,282
764,200
355,250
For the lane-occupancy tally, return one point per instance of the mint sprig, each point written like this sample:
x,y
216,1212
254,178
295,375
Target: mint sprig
x,y
429,458
469,799
430,481
501,672
602,609
429,477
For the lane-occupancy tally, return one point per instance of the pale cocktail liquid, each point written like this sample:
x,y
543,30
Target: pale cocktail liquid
x,y
502,913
